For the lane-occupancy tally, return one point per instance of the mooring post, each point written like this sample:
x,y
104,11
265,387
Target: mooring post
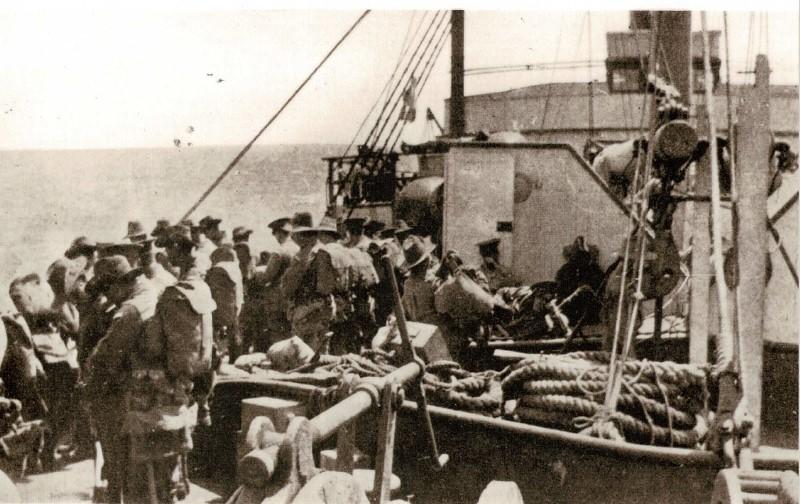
x,y
752,159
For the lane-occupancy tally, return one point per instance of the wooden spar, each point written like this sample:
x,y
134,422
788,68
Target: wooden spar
x,y
701,250
675,51
753,148
674,40
457,124
725,338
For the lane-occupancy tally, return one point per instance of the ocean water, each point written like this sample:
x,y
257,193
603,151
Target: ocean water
x,y
50,197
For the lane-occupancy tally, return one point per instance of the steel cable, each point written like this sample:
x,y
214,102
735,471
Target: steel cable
x,y
247,147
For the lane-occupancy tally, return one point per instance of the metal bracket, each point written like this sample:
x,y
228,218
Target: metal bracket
x,y
280,465
392,399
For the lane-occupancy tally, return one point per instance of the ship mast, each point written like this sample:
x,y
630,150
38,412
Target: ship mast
x,y
456,126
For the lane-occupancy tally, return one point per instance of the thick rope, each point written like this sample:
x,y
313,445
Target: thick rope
x,y
726,359
682,375
580,414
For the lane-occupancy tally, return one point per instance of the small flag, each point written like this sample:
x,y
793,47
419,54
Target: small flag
x,y
409,111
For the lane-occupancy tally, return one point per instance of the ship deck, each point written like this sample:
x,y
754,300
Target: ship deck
x,y
74,484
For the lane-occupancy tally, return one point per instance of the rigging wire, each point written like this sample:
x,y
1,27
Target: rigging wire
x,y
531,67
406,85
615,368
424,80
379,135
559,105
384,95
404,52
403,49
734,193
725,350
418,91
552,74
247,147
373,137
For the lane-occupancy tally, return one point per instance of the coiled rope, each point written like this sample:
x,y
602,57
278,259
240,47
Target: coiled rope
x,y
445,382
660,403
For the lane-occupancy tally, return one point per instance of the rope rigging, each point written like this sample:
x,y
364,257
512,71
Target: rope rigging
x,y
560,103
394,98
394,72
734,191
403,51
247,147
428,43
562,65
435,58
426,71
616,365
725,350
552,74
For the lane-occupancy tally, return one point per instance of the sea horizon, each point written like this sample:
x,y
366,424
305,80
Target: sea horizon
x,y
52,196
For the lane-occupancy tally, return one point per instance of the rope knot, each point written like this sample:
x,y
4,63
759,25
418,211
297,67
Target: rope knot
x,y
603,424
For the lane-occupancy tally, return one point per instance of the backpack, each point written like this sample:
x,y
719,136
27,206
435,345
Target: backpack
x,y
463,299
180,334
225,283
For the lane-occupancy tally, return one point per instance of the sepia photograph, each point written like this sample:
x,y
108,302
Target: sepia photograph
x,y
401,253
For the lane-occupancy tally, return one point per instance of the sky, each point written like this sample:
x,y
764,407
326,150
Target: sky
x,y
119,77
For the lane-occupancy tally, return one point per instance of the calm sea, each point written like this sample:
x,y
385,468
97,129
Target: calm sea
x,y
50,197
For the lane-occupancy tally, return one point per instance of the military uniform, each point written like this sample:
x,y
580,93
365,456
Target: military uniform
x,y
360,321
109,369
159,276
307,285
419,288
224,279
362,243
264,321
172,378
418,300
205,248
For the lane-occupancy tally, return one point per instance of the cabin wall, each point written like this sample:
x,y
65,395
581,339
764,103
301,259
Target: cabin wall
x,y
479,193
781,308
558,199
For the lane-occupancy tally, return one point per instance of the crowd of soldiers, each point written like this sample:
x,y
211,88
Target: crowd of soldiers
x,y
152,317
